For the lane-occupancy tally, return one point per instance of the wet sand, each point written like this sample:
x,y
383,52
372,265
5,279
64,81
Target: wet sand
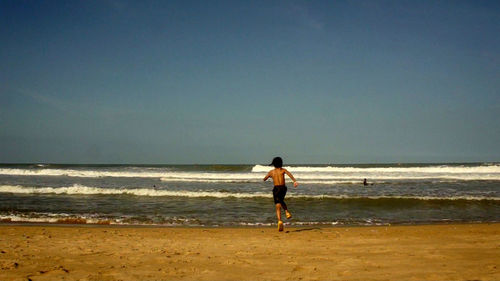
x,y
429,252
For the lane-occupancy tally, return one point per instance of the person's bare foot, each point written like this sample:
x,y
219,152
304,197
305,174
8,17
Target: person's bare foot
x,y
280,226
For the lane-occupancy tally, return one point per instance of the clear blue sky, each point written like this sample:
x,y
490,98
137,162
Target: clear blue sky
x,y
243,81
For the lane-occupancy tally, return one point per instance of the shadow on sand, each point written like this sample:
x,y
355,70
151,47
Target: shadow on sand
x,y
304,229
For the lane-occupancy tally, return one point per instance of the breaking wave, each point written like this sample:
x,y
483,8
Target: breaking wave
x,y
305,174
86,190
439,169
81,173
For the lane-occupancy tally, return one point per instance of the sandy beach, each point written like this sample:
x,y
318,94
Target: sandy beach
x,y
429,252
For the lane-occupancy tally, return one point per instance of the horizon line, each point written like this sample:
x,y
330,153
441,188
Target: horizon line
x,y
242,164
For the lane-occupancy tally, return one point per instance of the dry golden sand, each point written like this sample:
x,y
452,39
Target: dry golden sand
x,y
437,252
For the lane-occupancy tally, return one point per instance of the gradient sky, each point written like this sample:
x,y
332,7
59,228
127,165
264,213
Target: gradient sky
x,y
243,81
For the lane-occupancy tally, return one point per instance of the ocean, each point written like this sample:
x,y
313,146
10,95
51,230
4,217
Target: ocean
x,y
235,195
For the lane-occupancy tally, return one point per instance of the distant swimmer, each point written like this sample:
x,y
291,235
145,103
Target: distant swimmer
x,y
364,182
279,190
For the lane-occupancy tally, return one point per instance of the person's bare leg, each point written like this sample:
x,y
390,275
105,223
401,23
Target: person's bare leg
x,y
278,211
287,213
278,214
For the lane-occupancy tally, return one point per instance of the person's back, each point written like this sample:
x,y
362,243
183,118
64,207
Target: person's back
x,y
278,176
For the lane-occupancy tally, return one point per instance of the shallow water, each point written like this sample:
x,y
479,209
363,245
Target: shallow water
x,y
223,195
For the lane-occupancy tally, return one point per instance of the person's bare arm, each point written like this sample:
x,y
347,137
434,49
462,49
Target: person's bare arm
x,y
295,183
267,176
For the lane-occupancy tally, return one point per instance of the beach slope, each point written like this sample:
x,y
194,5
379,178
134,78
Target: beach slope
x,y
429,252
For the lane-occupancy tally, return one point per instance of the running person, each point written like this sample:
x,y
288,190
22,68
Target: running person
x,y
279,190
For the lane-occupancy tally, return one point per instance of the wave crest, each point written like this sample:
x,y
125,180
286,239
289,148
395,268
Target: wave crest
x,y
304,174
440,169
86,190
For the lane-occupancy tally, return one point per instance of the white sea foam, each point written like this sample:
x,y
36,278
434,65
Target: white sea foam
x,y
63,218
324,177
304,174
440,169
484,172
258,180
53,218
14,218
86,190
80,173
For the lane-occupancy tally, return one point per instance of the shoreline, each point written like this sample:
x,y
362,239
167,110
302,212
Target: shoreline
x,y
273,225
467,251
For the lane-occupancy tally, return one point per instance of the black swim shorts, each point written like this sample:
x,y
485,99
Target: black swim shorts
x,y
279,193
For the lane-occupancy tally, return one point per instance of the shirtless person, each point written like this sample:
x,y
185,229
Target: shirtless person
x,y
279,190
